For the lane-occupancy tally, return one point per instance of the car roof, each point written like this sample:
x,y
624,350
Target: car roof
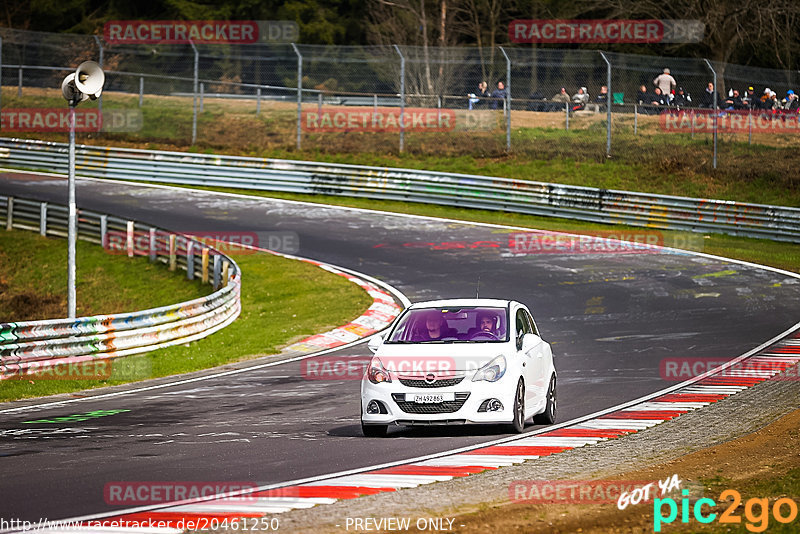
x,y
449,303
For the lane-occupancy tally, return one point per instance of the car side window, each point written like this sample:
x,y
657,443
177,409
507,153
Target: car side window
x,y
523,327
533,328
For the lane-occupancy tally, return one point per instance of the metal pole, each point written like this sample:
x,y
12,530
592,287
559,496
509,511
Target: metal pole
x,y
141,90
100,62
750,127
19,83
716,108
375,103
319,104
608,104
258,101
43,219
299,95
202,95
635,119
72,220
402,98
566,109
508,100
194,92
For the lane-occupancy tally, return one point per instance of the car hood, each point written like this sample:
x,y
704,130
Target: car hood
x,y
421,358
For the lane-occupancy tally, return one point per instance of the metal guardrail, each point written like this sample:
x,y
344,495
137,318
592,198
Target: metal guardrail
x,y
462,190
31,347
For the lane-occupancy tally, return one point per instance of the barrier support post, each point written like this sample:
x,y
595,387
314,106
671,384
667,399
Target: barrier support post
x,y
152,251
9,213
104,230
204,264
129,239
190,260
173,258
217,271
225,269
43,219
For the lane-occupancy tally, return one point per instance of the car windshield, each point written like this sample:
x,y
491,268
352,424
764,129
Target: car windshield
x,y
464,324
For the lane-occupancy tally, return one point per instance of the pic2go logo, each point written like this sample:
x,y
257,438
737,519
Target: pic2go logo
x,y
757,520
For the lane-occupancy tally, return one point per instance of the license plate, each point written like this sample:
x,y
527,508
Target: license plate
x,y
430,398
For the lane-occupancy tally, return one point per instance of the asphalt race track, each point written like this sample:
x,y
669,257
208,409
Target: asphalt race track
x,y
611,319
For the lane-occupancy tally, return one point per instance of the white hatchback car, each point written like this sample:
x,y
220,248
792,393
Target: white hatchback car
x,y
459,361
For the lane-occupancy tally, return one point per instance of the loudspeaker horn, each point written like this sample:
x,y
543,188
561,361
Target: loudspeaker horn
x,y
89,79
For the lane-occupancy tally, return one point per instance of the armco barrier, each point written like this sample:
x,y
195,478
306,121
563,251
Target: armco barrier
x,y
34,346
536,198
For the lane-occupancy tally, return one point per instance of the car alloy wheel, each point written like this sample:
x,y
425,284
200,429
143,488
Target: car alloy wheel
x,y
518,425
548,416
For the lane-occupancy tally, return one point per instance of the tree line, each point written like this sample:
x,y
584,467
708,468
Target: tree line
x,y
763,33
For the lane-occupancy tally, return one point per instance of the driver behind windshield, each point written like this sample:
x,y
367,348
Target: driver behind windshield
x,y
487,323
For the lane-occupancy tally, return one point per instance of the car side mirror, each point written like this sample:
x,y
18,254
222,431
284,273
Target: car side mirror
x,y
375,342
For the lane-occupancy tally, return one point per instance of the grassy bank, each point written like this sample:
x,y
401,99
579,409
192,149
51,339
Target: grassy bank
x,y
651,161
280,304
33,280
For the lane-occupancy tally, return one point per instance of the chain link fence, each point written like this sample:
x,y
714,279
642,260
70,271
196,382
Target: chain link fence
x,y
388,99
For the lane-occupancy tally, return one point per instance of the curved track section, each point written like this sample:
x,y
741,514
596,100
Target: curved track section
x,y
612,319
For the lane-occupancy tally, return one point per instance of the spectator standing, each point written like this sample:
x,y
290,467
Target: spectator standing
x,y
665,82
499,94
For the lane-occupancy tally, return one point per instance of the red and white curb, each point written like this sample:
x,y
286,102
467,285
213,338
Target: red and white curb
x,y
706,389
377,317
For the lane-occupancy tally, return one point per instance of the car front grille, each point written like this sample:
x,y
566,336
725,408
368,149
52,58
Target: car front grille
x,y
423,408
421,383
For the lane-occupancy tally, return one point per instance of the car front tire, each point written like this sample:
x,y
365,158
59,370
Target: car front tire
x,y
518,424
548,416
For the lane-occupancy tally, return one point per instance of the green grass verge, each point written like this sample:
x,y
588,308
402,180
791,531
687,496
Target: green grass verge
x,y
652,161
33,280
282,301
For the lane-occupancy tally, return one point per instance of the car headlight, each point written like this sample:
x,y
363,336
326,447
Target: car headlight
x,y
377,373
492,371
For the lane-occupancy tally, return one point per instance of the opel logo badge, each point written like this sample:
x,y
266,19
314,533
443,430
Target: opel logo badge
x,y
430,378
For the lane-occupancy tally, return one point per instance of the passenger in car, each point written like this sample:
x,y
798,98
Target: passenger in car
x,y
436,328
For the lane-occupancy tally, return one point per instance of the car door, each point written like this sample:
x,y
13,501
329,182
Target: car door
x,y
539,360
527,357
